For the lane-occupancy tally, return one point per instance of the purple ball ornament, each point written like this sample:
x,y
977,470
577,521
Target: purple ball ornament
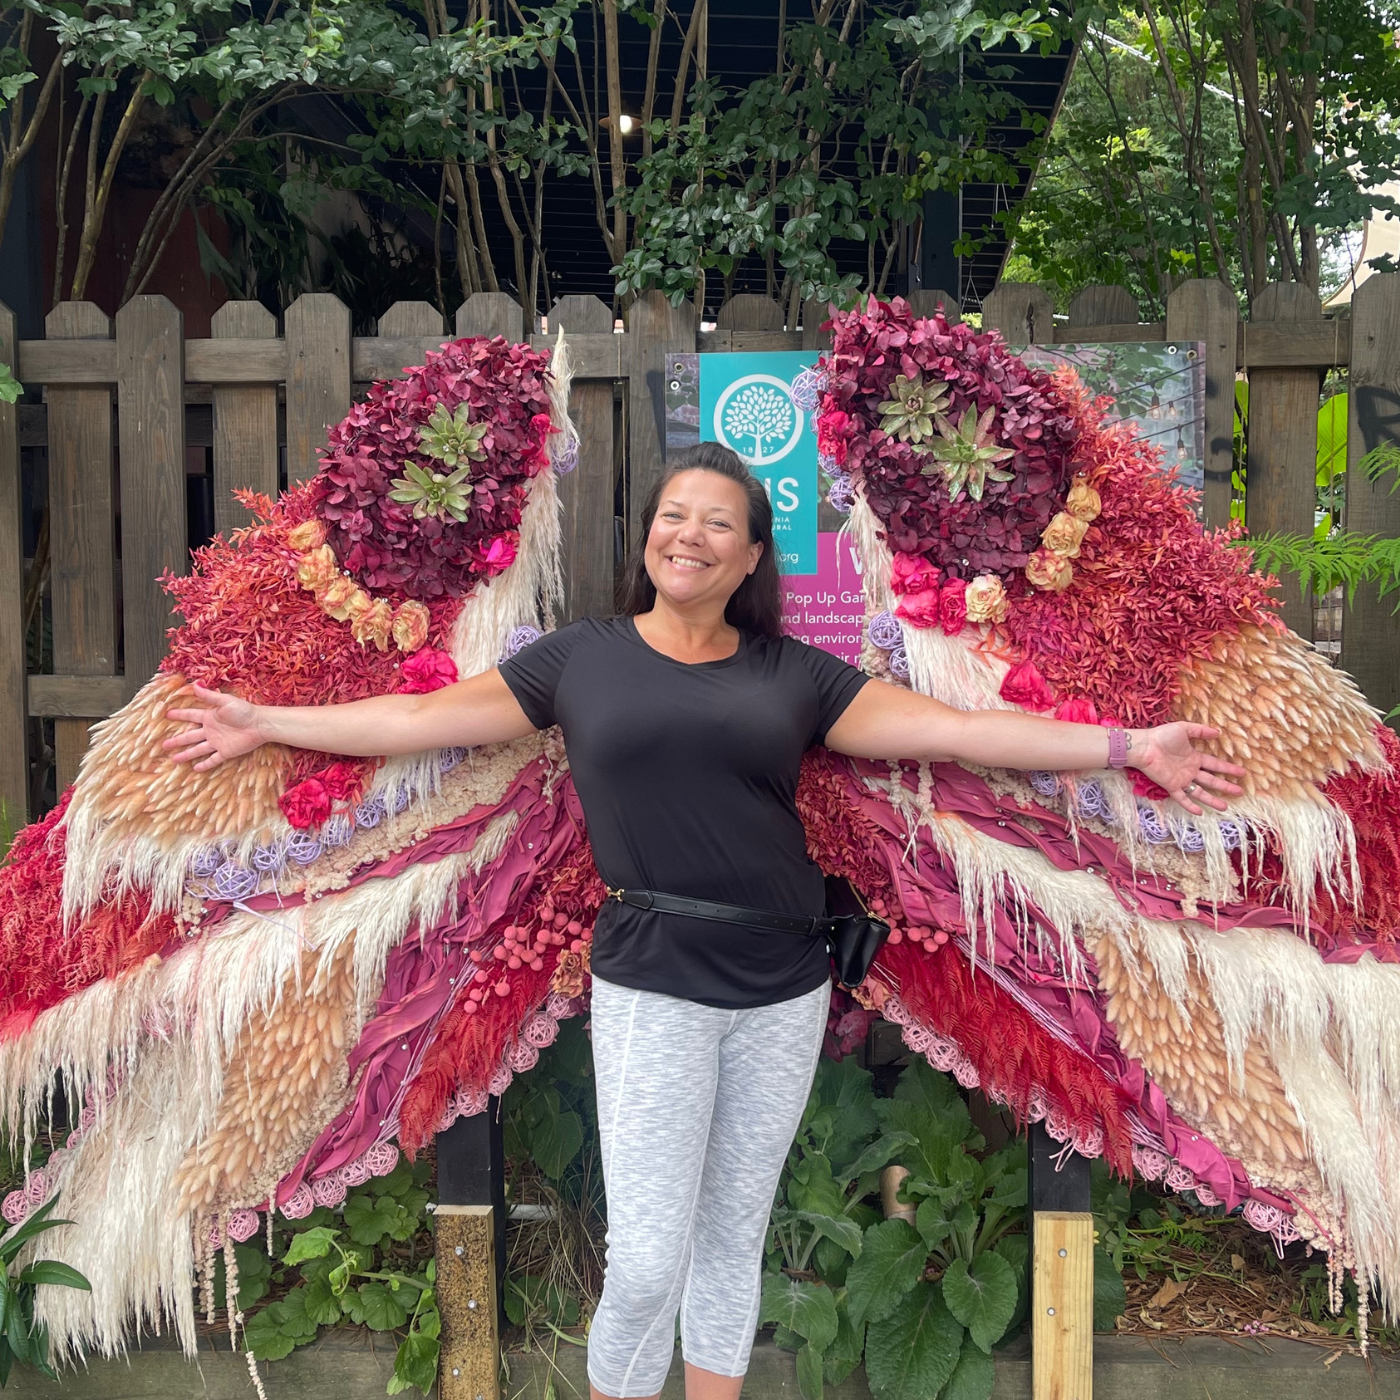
x,y
806,390
270,859
899,663
886,631
448,759
233,881
841,495
567,460
337,831
205,861
1231,834
304,847
520,638
371,811
1150,823
1046,784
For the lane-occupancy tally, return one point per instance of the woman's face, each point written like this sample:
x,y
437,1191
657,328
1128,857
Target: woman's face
x,y
698,550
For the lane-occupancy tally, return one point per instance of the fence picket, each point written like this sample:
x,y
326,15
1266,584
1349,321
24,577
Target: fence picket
x,y
589,492
492,313
1205,309
318,378
749,311
926,301
1282,444
815,314
1103,306
245,421
82,538
1022,312
14,760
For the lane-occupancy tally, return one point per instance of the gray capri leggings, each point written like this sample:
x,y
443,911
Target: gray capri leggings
x,y
697,1108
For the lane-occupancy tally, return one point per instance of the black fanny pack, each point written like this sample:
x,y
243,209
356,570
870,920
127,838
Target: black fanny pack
x,y
853,934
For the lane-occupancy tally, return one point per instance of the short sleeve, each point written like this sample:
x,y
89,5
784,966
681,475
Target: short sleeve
x,y
533,674
837,682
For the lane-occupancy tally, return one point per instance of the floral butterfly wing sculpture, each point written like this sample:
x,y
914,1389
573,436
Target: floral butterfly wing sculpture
x,y
264,982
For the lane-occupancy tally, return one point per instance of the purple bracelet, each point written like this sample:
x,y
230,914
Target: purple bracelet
x,y
1117,748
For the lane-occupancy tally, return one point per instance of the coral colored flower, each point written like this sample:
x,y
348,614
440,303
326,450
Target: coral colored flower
x,y
952,606
343,781
1145,787
501,554
920,608
373,624
341,597
318,568
1083,501
310,534
913,574
1023,685
1077,711
986,599
1048,570
307,804
1063,535
427,670
410,626
834,429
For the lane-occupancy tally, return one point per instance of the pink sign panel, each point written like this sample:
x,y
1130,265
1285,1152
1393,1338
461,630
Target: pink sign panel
x,y
827,609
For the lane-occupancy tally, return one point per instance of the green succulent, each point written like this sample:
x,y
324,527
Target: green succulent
x,y
451,438
966,455
910,415
433,493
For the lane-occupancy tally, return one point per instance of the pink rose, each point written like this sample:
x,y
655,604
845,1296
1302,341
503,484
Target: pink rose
x,y
1078,710
987,600
1025,686
307,804
1050,571
501,554
834,427
952,606
1145,787
913,574
919,608
427,670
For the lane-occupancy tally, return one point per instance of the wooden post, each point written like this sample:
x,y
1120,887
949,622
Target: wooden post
x,y
1205,309
245,421
1281,460
1371,630
14,718
656,330
925,301
151,441
1062,1271
470,1251
815,315
1022,312
1103,306
749,311
318,378
493,313
589,492
82,539
405,319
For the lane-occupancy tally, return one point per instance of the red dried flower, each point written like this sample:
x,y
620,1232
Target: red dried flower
x,y
952,606
1077,711
919,608
911,574
427,670
344,781
307,804
1023,685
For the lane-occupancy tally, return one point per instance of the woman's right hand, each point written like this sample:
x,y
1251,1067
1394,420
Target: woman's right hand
x,y
226,727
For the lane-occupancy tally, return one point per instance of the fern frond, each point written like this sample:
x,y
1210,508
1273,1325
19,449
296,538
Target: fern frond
x,y
1343,559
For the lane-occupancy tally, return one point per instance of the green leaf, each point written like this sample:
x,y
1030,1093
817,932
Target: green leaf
x,y
415,1363
322,1304
982,1296
839,1229
876,1155
555,1142
265,1338
292,1316
801,1306
973,1377
376,1305
50,1271
10,387
1110,1297
809,1372
911,1353
36,1224
370,1218
844,1354
254,1275
310,1244
891,1262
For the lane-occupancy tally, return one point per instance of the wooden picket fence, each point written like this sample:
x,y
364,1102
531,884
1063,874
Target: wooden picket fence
x,y
117,480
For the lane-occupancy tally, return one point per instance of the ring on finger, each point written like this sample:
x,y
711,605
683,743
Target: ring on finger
x,y
1191,787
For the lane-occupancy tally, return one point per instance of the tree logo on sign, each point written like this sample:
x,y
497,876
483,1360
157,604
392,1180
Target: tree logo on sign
x,y
755,416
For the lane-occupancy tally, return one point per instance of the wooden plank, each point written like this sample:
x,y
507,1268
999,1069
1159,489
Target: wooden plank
x,y
815,314
1022,312
14,751
588,493
1103,306
412,318
1062,1306
1371,630
1088,335
58,362
245,357
723,342
601,356
151,440
492,313
1205,309
82,534
469,1363
749,311
87,698
245,420
387,357
1305,344
927,301
658,330
318,378
1281,456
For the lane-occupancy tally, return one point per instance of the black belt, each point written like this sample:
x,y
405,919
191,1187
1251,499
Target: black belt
x,y
816,925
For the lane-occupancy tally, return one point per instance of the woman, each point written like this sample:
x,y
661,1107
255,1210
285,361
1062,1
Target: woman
x,y
685,719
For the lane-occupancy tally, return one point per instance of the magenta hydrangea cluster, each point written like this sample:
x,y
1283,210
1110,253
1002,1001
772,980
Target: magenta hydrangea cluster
x,y
386,545
963,536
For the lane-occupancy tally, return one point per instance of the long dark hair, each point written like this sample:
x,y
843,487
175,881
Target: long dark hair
x,y
757,604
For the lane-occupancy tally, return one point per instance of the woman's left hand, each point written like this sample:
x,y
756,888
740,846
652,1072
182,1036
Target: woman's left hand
x,y
1167,755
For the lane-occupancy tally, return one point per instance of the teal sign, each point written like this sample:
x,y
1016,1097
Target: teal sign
x,y
746,404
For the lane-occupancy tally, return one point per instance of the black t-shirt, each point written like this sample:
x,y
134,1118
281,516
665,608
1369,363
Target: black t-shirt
x,y
687,775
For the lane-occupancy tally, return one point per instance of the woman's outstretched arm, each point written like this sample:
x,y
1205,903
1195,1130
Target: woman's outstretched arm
x,y
885,721
479,710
